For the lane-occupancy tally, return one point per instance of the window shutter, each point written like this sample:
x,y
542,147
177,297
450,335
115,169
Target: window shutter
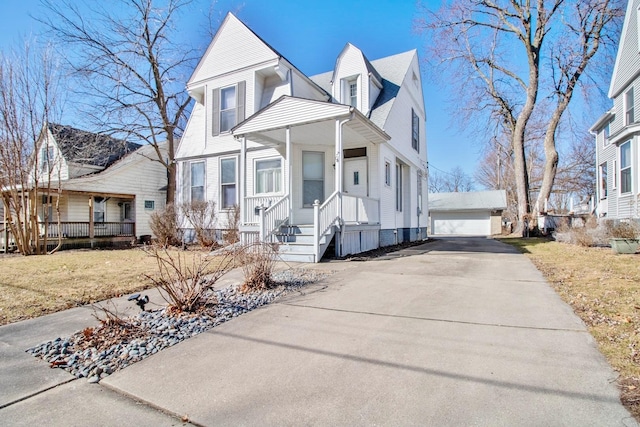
x,y
215,108
240,98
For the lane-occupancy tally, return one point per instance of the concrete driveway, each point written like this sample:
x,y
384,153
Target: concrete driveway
x,y
461,331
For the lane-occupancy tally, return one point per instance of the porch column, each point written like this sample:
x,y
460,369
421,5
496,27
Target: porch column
x,y
243,179
287,168
91,225
338,158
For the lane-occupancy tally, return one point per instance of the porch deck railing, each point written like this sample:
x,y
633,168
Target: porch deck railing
x,y
360,210
252,203
272,218
79,229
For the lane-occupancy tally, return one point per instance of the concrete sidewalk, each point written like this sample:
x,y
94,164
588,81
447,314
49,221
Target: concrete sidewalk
x,y
454,332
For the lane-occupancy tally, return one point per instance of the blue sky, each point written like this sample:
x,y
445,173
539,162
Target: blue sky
x,y
311,34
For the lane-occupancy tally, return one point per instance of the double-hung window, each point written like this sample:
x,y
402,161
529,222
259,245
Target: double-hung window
x,y
415,131
353,93
197,181
227,108
46,156
228,182
228,105
625,167
603,180
629,116
99,209
268,175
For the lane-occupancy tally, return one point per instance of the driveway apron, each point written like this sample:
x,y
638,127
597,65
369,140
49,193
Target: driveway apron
x,y
461,331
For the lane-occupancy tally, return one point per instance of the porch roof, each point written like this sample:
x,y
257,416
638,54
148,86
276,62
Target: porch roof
x,y
317,117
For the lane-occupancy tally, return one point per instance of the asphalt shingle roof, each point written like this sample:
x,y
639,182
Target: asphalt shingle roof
x,y
84,147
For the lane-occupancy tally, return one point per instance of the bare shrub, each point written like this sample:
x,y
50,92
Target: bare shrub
x,y
183,282
232,233
258,262
113,329
202,216
582,237
623,229
164,225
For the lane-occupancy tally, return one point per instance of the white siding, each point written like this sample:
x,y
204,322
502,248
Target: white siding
x,y
351,64
135,175
239,47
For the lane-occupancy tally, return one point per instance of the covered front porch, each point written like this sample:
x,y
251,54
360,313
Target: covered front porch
x,y
322,183
78,219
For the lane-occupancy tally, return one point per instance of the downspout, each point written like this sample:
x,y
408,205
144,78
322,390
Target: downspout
x,y
340,172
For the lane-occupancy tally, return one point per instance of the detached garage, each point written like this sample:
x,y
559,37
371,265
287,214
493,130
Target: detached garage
x,y
477,213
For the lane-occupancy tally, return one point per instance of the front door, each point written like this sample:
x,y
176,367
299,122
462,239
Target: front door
x,y
355,177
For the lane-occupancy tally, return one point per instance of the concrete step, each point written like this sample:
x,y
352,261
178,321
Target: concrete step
x,y
295,238
296,247
296,257
297,229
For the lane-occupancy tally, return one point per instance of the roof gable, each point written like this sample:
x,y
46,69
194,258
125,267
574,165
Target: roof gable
x,y
79,146
238,45
627,65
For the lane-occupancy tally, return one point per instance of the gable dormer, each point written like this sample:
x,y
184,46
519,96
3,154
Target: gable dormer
x,y
355,81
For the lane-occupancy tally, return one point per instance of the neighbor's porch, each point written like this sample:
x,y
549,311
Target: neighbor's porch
x,y
327,183
81,219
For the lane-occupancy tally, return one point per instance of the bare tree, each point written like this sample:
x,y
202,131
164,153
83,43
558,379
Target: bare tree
x,y
583,34
494,50
130,67
29,89
455,181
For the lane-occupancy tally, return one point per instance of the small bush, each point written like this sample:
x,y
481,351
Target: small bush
x,y
232,234
258,262
202,216
184,285
164,225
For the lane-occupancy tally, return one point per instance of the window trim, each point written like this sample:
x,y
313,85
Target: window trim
x,y
255,175
223,184
604,180
323,179
387,173
629,111
399,189
606,132
625,168
103,204
204,180
234,109
415,131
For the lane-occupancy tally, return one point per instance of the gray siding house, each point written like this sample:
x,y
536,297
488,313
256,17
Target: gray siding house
x,y
617,132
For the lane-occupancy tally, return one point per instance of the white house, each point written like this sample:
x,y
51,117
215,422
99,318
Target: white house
x,y
617,132
339,157
108,188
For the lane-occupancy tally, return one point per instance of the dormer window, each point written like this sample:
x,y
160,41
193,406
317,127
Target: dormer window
x,y
353,93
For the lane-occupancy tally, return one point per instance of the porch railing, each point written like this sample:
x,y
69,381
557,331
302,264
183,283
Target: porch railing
x,y
252,203
78,229
272,218
360,210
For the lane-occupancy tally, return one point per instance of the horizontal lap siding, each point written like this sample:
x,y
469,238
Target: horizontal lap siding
x,y
628,61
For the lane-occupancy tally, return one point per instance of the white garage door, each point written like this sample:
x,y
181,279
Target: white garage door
x,y
462,223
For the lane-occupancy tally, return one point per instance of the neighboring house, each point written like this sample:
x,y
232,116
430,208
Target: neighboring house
x,y
264,136
477,213
617,132
107,188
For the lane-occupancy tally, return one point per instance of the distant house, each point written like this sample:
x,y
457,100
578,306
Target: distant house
x,y
105,188
339,157
477,213
617,132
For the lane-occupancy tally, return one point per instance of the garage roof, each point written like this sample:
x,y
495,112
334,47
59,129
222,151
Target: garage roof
x,y
471,201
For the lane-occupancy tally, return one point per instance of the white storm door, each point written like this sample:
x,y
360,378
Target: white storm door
x,y
355,177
